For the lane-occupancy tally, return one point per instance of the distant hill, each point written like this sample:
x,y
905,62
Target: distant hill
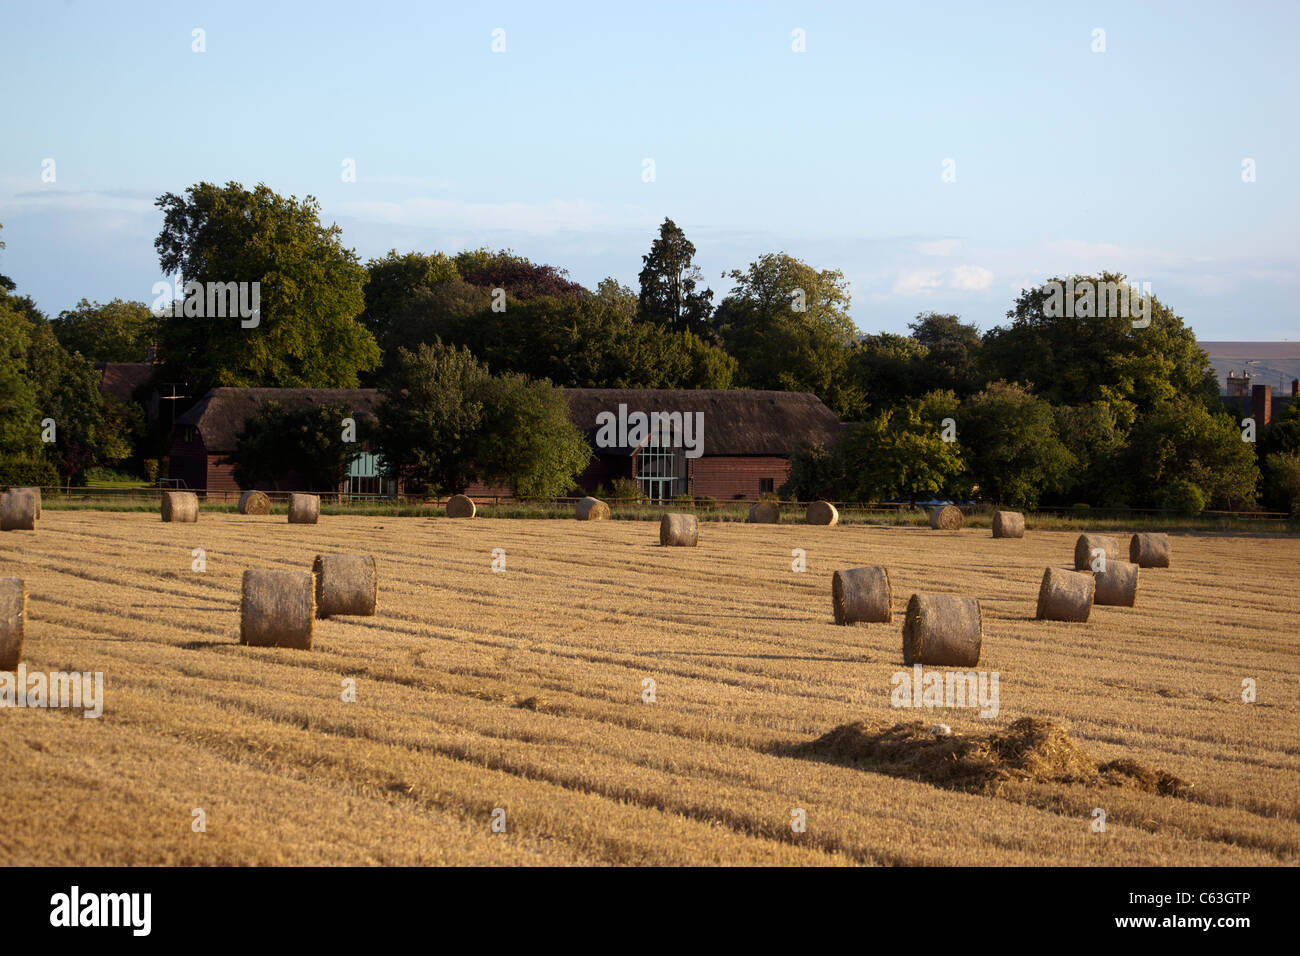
x,y
1269,363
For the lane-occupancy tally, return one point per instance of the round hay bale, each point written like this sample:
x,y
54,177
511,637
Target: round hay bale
x,y
180,506
679,531
459,506
1149,550
946,518
35,493
591,509
862,596
943,629
765,512
1087,543
1117,586
345,584
13,619
1065,595
1008,524
17,511
277,609
304,509
822,512
254,503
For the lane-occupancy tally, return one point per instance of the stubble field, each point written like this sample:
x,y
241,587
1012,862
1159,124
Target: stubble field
x,y
523,691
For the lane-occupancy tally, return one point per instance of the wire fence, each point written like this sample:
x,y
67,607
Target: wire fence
x,y
729,507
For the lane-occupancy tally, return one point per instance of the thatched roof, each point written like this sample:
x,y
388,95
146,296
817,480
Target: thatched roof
x,y
123,378
736,422
220,414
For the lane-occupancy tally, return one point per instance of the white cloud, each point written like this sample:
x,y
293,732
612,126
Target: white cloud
x,y
970,278
917,282
939,247
542,218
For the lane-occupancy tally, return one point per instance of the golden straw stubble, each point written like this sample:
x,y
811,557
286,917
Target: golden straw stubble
x,y
13,621
946,630
277,609
345,584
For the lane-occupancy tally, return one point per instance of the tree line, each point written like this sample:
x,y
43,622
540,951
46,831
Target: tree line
x,y
1046,408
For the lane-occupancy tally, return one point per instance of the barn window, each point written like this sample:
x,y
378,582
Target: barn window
x,y
366,476
661,472
765,486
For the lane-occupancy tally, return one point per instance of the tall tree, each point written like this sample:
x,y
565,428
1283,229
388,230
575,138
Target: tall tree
x,y
901,453
310,291
445,422
952,352
789,327
1012,449
306,441
1082,358
521,278
391,283
116,331
668,283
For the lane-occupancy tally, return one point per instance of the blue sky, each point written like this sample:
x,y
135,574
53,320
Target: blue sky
x,y
1066,160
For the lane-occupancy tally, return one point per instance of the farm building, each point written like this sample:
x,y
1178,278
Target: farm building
x,y
720,443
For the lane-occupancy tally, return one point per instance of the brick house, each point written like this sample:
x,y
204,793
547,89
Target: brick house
x,y
741,448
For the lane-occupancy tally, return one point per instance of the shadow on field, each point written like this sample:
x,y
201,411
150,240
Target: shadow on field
x,y
764,657
1030,749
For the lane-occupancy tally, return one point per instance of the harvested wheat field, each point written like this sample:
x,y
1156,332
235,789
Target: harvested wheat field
x,y
528,691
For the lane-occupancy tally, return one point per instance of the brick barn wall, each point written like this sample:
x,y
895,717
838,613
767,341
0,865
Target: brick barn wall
x,y
736,477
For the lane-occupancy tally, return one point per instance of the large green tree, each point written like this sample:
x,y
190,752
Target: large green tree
x,y
788,326
902,453
1181,441
306,441
19,414
669,280
116,331
952,352
1011,445
310,291
445,422
1082,358
884,370
587,342
391,283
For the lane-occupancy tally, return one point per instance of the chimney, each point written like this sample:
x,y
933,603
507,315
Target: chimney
x,y
1261,404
